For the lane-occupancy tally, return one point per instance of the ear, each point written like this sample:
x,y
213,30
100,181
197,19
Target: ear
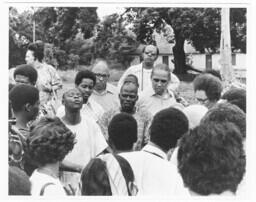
x,y
132,188
27,107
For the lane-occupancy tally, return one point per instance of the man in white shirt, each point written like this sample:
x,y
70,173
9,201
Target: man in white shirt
x,y
89,140
159,96
104,93
154,175
144,69
85,81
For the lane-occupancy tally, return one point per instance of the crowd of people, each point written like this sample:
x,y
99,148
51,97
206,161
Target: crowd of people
x,y
137,138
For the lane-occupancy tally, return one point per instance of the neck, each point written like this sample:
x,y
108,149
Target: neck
x,y
21,122
37,64
155,145
51,169
72,118
147,66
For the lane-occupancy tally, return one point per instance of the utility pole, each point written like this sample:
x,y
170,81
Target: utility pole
x,y
34,25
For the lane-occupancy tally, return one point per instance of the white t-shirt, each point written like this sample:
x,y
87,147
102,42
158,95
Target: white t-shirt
x,y
38,180
154,175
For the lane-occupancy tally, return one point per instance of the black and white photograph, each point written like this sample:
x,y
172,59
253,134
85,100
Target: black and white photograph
x,y
141,99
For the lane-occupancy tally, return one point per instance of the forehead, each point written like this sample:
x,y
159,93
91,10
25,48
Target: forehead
x,y
100,67
200,94
73,90
21,77
150,48
86,81
160,73
29,53
129,88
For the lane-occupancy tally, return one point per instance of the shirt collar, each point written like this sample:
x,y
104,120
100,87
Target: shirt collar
x,y
152,149
107,90
167,94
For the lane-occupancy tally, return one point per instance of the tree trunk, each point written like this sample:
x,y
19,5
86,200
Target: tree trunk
x,y
179,55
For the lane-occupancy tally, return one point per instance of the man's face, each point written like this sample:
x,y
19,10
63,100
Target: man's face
x,y
86,87
73,99
30,59
20,79
128,97
149,55
160,79
102,74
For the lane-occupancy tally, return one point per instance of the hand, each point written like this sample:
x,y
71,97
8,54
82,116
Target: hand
x,y
70,191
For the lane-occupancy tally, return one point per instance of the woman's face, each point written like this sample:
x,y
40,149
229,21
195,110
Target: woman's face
x,y
30,59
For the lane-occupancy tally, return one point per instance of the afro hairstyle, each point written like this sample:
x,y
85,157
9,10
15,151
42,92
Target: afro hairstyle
x,y
85,74
27,71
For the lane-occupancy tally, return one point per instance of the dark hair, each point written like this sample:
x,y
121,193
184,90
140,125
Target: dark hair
x,y
122,131
157,49
28,71
167,127
38,50
95,179
129,80
22,94
210,84
49,141
227,112
128,83
213,72
85,74
211,159
19,183
236,96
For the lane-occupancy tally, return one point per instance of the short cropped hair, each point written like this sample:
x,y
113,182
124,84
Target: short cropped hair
x,y
210,84
162,67
85,74
157,49
19,183
95,179
27,71
227,112
38,50
236,96
122,131
49,141
22,94
211,159
167,127
213,72
132,79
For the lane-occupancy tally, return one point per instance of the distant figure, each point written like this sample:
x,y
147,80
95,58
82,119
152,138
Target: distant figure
x,y
85,81
104,93
128,97
48,144
108,175
207,89
19,183
25,74
143,70
211,159
154,175
159,96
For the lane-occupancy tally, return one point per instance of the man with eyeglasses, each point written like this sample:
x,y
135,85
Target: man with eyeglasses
x,y
128,97
159,96
207,89
104,93
143,70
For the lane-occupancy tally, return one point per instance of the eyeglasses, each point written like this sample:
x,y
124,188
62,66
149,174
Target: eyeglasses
x,y
101,75
161,80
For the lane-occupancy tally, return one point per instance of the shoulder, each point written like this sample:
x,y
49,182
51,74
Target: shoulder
x,y
134,68
111,88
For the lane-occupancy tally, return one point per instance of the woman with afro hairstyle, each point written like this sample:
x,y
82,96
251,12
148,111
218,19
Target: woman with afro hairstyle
x,y
48,143
211,160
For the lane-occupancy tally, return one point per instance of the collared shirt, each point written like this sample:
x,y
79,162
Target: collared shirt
x,y
144,78
154,103
90,109
154,175
143,118
108,99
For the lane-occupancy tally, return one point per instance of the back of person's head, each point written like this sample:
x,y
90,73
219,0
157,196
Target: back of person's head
x,y
49,141
210,84
85,74
38,50
19,183
22,94
122,132
108,175
211,159
227,112
167,127
213,72
27,71
194,114
131,78
236,96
